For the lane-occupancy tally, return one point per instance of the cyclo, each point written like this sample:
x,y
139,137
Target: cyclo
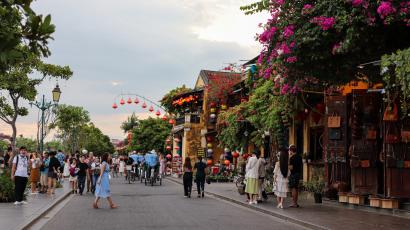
x,y
130,171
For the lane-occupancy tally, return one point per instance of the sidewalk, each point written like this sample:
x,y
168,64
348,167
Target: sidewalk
x,y
20,217
311,215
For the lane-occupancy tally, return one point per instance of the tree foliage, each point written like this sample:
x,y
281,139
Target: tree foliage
x,y
150,134
130,123
29,143
92,139
167,100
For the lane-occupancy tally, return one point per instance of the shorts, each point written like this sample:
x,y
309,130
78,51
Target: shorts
x,y
52,174
43,179
294,180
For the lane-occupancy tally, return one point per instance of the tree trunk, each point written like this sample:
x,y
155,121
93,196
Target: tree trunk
x,y
13,136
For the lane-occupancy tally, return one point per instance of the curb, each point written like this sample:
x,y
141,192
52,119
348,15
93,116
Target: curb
x,y
27,224
255,208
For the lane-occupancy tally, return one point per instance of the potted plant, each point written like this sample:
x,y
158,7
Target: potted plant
x,y
315,186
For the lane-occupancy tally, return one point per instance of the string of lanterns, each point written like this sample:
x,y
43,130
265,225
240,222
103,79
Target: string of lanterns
x,y
144,105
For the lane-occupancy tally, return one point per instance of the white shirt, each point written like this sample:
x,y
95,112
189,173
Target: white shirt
x,y
252,168
21,168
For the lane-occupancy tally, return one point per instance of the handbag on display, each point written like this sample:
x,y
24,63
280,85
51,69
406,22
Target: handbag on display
x,y
333,121
391,113
371,134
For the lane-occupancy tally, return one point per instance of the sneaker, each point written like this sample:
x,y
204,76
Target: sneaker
x,y
185,196
24,202
17,203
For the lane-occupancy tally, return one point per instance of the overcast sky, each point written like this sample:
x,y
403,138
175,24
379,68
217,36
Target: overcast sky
x,y
146,47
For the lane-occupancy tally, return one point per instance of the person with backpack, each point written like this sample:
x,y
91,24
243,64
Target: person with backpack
x,y
19,174
73,175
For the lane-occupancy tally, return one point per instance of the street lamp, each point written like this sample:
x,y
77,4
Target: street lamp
x,y
44,106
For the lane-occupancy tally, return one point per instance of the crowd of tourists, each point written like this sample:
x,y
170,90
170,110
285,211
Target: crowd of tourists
x,y
286,176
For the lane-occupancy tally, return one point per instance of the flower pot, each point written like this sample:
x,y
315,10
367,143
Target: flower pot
x,y
355,199
343,197
375,202
389,203
318,198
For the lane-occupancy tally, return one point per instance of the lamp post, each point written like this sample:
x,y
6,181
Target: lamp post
x,y
44,106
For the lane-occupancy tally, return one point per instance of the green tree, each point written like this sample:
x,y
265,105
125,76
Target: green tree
x,y
69,122
17,84
93,139
54,145
130,123
150,134
3,145
29,143
19,24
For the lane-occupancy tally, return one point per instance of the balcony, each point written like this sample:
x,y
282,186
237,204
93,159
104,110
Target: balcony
x,y
186,121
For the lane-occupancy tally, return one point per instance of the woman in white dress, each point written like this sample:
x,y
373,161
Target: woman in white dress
x,y
122,167
281,173
66,171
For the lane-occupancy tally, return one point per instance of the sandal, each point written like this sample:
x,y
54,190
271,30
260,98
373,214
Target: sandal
x,y
95,206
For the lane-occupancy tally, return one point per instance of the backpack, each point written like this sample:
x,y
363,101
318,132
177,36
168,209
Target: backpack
x,y
17,161
72,172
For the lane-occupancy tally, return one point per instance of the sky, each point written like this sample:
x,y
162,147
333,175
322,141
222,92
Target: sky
x,y
139,47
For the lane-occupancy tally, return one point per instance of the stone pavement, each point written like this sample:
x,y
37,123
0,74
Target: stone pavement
x,y
311,215
14,217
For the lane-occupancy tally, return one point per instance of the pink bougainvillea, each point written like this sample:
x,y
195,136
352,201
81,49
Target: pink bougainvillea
x,y
292,59
336,48
357,3
385,9
267,35
325,22
288,31
279,2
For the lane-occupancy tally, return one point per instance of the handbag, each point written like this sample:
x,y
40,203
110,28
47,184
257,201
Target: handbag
x,y
371,134
335,134
391,113
333,121
365,163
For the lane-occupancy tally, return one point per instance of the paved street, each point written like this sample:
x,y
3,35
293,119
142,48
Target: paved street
x,y
158,207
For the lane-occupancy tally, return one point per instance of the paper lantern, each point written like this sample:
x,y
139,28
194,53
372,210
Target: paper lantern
x,y
213,110
227,162
158,113
227,150
168,147
177,140
129,101
213,104
115,106
209,139
210,151
164,118
245,156
144,105
169,156
209,162
224,107
213,116
151,109
209,145
136,101
235,154
168,141
122,102
171,121
177,147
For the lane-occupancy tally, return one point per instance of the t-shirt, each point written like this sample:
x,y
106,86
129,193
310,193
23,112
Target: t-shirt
x,y
54,164
296,162
83,169
200,168
60,157
21,167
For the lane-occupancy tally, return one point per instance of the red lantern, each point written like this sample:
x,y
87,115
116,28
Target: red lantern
x,y
168,141
129,101
177,140
164,118
235,154
169,156
168,147
209,139
144,105
209,162
122,102
213,104
151,109
171,121
177,147
245,156
115,106
227,162
158,113
136,101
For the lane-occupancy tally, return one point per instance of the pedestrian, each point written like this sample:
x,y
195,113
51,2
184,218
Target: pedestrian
x,y
102,189
262,173
82,174
35,172
296,167
187,178
200,167
122,166
53,170
163,164
19,174
280,174
252,177
95,171
45,161
73,175
66,171
89,161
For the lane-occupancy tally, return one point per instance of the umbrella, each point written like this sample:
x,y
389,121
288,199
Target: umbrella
x,y
134,157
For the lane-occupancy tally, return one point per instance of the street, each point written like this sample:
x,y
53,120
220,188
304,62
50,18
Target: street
x,y
159,207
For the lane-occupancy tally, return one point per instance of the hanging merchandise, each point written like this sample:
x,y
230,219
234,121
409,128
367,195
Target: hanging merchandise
x,y
391,113
333,121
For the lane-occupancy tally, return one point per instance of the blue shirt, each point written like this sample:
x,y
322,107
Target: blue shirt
x,y
151,159
140,158
46,163
60,157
